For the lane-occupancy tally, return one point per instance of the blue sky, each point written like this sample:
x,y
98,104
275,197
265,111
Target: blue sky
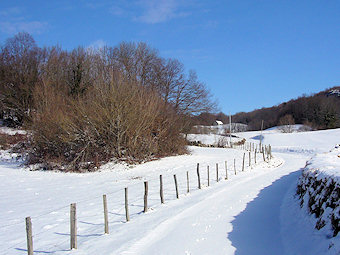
x,y
251,54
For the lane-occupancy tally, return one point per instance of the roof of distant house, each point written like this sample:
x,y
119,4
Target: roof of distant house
x,y
219,122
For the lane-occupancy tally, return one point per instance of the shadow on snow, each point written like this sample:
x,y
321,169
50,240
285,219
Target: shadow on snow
x,y
256,230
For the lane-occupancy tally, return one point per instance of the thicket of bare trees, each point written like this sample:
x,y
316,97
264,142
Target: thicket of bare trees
x,y
86,106
319,111
19,61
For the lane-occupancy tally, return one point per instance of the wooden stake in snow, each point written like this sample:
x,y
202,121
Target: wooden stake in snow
x,y
161,189
255,156
217,172
146,188
249,159
235,166
198,176
127,216
29,236
244,155
177,196
73,226
188,182
106,218
261,133
226,170
208,176
264,158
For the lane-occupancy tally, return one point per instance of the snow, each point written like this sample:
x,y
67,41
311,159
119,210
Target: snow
x,y
326,164
299,233
292,128
253,212
11,131
211,139
302,142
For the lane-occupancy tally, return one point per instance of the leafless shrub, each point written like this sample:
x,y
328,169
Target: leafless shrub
x,y
222,142
286,123
120,119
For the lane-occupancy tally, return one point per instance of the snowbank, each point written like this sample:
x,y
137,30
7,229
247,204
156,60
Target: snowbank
x,y
318,190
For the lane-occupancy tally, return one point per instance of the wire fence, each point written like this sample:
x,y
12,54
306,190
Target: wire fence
x,y
122,209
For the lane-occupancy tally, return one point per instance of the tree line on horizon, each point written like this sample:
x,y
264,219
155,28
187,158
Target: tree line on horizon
x,y
87,106
317,111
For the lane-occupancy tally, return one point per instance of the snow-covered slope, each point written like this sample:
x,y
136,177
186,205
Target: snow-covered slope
x,y
307,142
252,212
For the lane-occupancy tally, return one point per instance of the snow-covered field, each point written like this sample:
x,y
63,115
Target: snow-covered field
x,y
212,139
253,212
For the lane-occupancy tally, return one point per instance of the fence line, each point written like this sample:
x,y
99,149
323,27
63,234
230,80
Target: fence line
x,y
266,153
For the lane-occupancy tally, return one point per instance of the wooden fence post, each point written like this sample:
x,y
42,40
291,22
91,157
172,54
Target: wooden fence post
x,y
177,196
188,189
29,236
208,176
235,166
198,175
146,189
249,158
127,216
106,217
217,179
264,158
255,156
244,155
161,189
73,226
226,170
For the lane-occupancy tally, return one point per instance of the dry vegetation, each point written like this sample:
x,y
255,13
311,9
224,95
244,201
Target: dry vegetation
x,y
88,106
8,141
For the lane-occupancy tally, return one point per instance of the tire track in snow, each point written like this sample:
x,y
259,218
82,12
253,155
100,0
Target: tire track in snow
x,y
206,217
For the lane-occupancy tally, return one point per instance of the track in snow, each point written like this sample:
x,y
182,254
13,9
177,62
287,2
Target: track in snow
x,y
241,217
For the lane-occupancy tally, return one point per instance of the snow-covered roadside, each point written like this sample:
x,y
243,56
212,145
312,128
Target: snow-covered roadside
x,y
298,232
229,217
45,196
318,192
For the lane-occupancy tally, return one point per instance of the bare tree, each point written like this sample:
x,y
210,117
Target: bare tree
x,y
286,123
19,74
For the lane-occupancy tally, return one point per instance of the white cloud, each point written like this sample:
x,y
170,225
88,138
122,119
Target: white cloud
x,y
157,11
32,27
98,44
10,12
149,11
12,21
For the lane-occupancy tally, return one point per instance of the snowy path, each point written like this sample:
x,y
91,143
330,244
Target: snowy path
x,y
230,217
202,228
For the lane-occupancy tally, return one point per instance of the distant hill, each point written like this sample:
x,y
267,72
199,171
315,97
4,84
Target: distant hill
x,y
318,111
